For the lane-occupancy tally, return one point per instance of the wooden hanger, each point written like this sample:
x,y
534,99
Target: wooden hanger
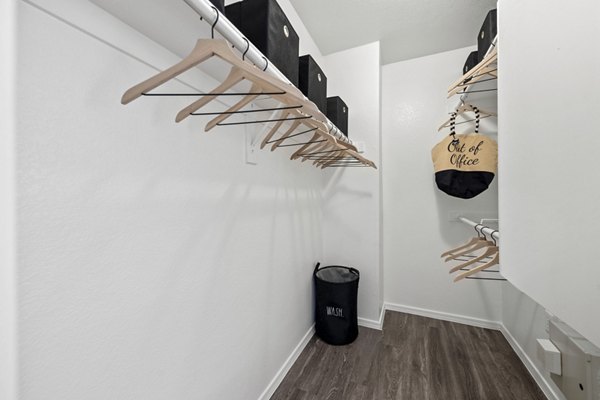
x,y
292,114
309,123
464,246
360,158
485,67
331,158
480,236
282,117
235,76
339,150
490,251
480,244
467,108
207,48
324,150
287,133
310,147
236,107
494,261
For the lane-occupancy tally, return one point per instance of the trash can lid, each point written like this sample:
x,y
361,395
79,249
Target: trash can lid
x,y
336,274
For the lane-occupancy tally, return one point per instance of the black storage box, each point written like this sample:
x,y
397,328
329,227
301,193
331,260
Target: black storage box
x,y
265,25
219,4
337,112
487,34
472,60
336,291
313,82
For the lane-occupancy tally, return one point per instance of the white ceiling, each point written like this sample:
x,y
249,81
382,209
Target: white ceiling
x,y
406,28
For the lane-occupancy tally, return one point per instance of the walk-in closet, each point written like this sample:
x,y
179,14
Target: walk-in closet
x,y
299,200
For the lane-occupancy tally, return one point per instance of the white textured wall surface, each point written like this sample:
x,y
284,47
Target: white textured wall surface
x,y
153,263
8,297
416,223
548,117
351,209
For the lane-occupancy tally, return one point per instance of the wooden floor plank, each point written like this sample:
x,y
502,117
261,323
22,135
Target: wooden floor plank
x,y
412,358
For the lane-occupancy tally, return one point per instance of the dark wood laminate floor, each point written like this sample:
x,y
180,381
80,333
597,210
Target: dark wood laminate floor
x,y
414,358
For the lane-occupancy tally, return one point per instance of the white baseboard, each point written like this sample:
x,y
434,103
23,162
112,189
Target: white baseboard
x,y
537,375
444,316
287,365
371,323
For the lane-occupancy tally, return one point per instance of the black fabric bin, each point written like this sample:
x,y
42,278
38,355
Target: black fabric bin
x,y
487,34
313,82
336,291
472,60
337,112
265,25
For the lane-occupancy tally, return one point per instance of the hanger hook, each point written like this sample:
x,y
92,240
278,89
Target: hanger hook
x,y
479,233
266,64
493,238
212,28
247,48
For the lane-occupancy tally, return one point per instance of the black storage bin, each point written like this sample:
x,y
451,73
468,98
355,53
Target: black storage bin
x,y
313,82
336,290
472,60
337,112
487,34
219,4
265,25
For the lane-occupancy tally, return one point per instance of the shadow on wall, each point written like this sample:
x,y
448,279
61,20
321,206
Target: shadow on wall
x,y
335,187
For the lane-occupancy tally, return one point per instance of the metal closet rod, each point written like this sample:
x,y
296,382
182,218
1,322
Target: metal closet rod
x,y
485,229
207,11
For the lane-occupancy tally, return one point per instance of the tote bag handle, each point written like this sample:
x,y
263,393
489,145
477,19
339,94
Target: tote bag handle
x,y
453,123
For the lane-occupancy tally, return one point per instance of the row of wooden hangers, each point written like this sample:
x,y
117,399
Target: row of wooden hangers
x,y
487,259
323,149
486,70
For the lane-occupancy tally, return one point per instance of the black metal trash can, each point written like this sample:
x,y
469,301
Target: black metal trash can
x,y
336,291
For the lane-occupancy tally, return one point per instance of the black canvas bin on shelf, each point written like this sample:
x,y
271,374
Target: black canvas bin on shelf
x,y
337,112
472,60
265,25
313,82
336,292
487,34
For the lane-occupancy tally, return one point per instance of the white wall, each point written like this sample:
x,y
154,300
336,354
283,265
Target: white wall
x,y
351,226
548,109
527,321
416,221
307,44
153,263
8,299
